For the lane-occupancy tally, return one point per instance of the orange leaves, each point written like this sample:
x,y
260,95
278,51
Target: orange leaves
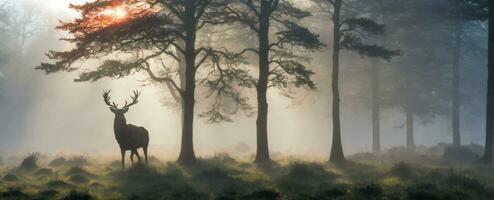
x,y
101,14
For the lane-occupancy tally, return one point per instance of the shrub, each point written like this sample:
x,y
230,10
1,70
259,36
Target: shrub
x,y
220,180
78,179
214,174
44,172
334,192
10,178
224,158
78,171
78,161
476,148
370,191
57,162
307,171
460,154
186,193
30,162
58,184
402,170
78,195
263,194
153,160
46,195
464,182
305,178
423,191
13,193
141,169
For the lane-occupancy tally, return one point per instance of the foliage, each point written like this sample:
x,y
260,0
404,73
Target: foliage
x,y
10,177
44,172
151,36
402,170
288,66
461,154
77,195
77,171
58,184
78,179
469,10
78,161
352,30
13,193
214,178
30,162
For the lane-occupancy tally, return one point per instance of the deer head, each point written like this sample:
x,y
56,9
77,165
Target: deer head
x,y
114,107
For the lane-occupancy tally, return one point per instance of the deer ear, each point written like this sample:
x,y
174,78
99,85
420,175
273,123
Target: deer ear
x,y
113,110
125,110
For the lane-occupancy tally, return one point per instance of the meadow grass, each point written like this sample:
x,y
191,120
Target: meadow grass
x,y
379,176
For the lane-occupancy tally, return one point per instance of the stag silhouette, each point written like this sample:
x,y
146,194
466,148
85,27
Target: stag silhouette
x,y
129,137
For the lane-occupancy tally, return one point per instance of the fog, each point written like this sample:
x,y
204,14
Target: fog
x,y
53,115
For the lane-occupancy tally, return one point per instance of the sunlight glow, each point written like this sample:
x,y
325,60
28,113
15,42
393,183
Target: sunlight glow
x,y
115,13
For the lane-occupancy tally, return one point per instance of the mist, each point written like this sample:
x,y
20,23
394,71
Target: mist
x,y
53,114
250,99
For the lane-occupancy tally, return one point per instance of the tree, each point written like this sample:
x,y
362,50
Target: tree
x,y
489,124
378,10
4,24
461,12
416,81
278,66
4,40
348,34
147,31
18,25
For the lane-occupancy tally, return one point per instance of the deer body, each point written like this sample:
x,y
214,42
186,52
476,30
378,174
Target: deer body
x,y
129,137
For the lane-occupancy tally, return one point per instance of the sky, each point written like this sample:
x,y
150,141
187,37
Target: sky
x,y
53,115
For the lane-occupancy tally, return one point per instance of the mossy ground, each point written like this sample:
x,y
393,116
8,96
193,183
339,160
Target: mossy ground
x,y
393,175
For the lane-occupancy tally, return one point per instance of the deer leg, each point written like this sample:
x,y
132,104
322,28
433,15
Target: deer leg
x,y
123,158
146,154
132,157
137,154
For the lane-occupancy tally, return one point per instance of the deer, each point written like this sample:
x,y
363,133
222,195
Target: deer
x,y
129,137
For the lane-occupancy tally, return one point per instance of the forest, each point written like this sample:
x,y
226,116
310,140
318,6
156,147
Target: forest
x,y
246,99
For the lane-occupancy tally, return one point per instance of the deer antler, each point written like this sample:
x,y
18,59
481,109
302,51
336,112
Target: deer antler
x,y
134,97
106,98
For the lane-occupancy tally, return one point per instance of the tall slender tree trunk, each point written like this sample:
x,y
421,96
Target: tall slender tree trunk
x,y
262,154
187,155
410,132
376,100
182,76
336,155
456,84
181,65
489,124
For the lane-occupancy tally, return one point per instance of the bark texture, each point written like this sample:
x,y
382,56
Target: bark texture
x,y
336,155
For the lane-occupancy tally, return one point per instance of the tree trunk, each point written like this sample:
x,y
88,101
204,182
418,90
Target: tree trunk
x,y
187,155
262,154
410,133
489,124
336,155
376,99
181,66
456,85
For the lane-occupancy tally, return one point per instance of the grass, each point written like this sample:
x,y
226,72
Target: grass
x,y
222,177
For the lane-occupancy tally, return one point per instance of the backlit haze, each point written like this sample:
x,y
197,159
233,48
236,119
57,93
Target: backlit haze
x,y
53,115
